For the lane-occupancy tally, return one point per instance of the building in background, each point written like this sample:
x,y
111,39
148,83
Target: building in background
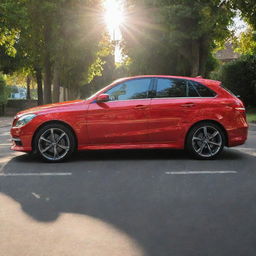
x,y
227,54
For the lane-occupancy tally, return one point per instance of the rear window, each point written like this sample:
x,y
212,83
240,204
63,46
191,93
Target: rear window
x,y
202,90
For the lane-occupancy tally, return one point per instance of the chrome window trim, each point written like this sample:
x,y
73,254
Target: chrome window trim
x,y
128,100
165,98
188,97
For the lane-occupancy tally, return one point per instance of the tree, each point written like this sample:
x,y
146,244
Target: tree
x,y
240,77
3,94
246,42
174,36
58,38
248,10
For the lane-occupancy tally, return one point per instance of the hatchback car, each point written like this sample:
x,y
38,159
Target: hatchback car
x,y
139,112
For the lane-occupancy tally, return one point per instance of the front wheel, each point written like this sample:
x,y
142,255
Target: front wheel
x,y
54,142
205,141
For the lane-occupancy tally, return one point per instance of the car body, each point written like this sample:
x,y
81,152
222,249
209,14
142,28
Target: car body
x,y
139,112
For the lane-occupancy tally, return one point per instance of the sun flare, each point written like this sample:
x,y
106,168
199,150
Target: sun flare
x,y
114,16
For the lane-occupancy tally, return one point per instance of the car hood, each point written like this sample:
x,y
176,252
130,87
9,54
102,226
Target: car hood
x,y
51,107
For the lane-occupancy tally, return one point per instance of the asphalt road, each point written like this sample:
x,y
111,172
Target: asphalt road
x,y
142,202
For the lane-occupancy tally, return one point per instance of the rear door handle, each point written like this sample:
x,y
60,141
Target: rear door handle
x,y
188,105
140,107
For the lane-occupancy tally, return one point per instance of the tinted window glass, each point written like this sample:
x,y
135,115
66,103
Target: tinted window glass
x,y
132,89
171,88
192,92
203,90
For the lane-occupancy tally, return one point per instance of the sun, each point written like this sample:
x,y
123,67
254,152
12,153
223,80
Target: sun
x,y
114,15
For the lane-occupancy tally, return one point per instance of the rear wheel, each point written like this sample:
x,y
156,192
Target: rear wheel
x,y
205,140
54,142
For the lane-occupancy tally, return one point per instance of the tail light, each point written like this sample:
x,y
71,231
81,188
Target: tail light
x,y
239,106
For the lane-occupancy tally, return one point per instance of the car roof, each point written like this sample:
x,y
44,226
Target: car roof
x,y
198,78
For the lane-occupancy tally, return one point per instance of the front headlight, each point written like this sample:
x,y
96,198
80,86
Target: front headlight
x,y
24,120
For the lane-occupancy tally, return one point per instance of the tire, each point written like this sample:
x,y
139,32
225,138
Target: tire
x,y
54,142
205,141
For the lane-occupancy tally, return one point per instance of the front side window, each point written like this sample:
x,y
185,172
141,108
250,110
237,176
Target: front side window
x,y
167,88
131,89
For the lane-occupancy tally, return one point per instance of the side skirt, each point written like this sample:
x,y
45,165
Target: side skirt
x,y
131,146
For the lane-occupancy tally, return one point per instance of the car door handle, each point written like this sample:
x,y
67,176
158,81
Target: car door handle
x,y
188,105
140,107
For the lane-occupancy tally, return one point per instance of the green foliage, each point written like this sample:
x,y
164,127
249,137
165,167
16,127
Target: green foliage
x,y
251,115
246,43
4,91
240,77
248,10
53,35
174,36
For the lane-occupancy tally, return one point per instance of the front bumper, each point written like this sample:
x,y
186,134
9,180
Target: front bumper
x,y
20,143
21,139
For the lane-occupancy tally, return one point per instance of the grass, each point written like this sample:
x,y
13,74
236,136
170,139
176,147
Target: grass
x,y
251,115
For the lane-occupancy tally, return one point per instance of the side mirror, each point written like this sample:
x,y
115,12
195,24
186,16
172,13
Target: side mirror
x,y
102,98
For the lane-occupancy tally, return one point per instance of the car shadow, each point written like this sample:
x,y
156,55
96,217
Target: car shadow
x,y
130,190
133,155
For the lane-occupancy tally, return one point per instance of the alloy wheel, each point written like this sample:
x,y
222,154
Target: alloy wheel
x,y
207,141
54,144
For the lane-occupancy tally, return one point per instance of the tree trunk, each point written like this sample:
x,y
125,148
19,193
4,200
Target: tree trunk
x,y
72,93
47,64
28,81
47,80
194,58
204,47
40,99
56,84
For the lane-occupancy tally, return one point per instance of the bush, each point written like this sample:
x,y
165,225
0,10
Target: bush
x,y
4,92
240,77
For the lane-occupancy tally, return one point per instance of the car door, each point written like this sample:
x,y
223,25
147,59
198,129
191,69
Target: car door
x,y
171,109
124,118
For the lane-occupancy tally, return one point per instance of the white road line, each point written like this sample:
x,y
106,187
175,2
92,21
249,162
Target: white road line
x,y
35,195
37,174
201,172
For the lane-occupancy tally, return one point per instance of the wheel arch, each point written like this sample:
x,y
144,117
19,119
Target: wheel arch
x,y
208,121
54,122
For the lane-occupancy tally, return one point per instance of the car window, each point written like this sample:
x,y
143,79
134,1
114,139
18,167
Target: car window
x,y
192,92
132,89
203,91
171,88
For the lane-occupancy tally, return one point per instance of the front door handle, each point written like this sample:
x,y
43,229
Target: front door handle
x,y
140,107
188,105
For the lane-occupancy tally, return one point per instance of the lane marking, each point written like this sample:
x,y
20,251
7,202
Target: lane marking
x,y
37,174
201,172
35,195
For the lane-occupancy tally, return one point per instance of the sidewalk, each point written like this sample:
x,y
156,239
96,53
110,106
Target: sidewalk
x,y
5,121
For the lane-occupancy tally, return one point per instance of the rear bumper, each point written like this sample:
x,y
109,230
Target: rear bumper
x,y
237,136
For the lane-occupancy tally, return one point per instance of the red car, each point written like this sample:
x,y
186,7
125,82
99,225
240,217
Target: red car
x,y
136,112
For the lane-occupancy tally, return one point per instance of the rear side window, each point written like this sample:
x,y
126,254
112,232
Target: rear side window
x,y
167,88
192,92
202,90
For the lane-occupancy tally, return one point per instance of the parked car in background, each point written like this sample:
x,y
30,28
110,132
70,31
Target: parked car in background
x,y
136,112
18,92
